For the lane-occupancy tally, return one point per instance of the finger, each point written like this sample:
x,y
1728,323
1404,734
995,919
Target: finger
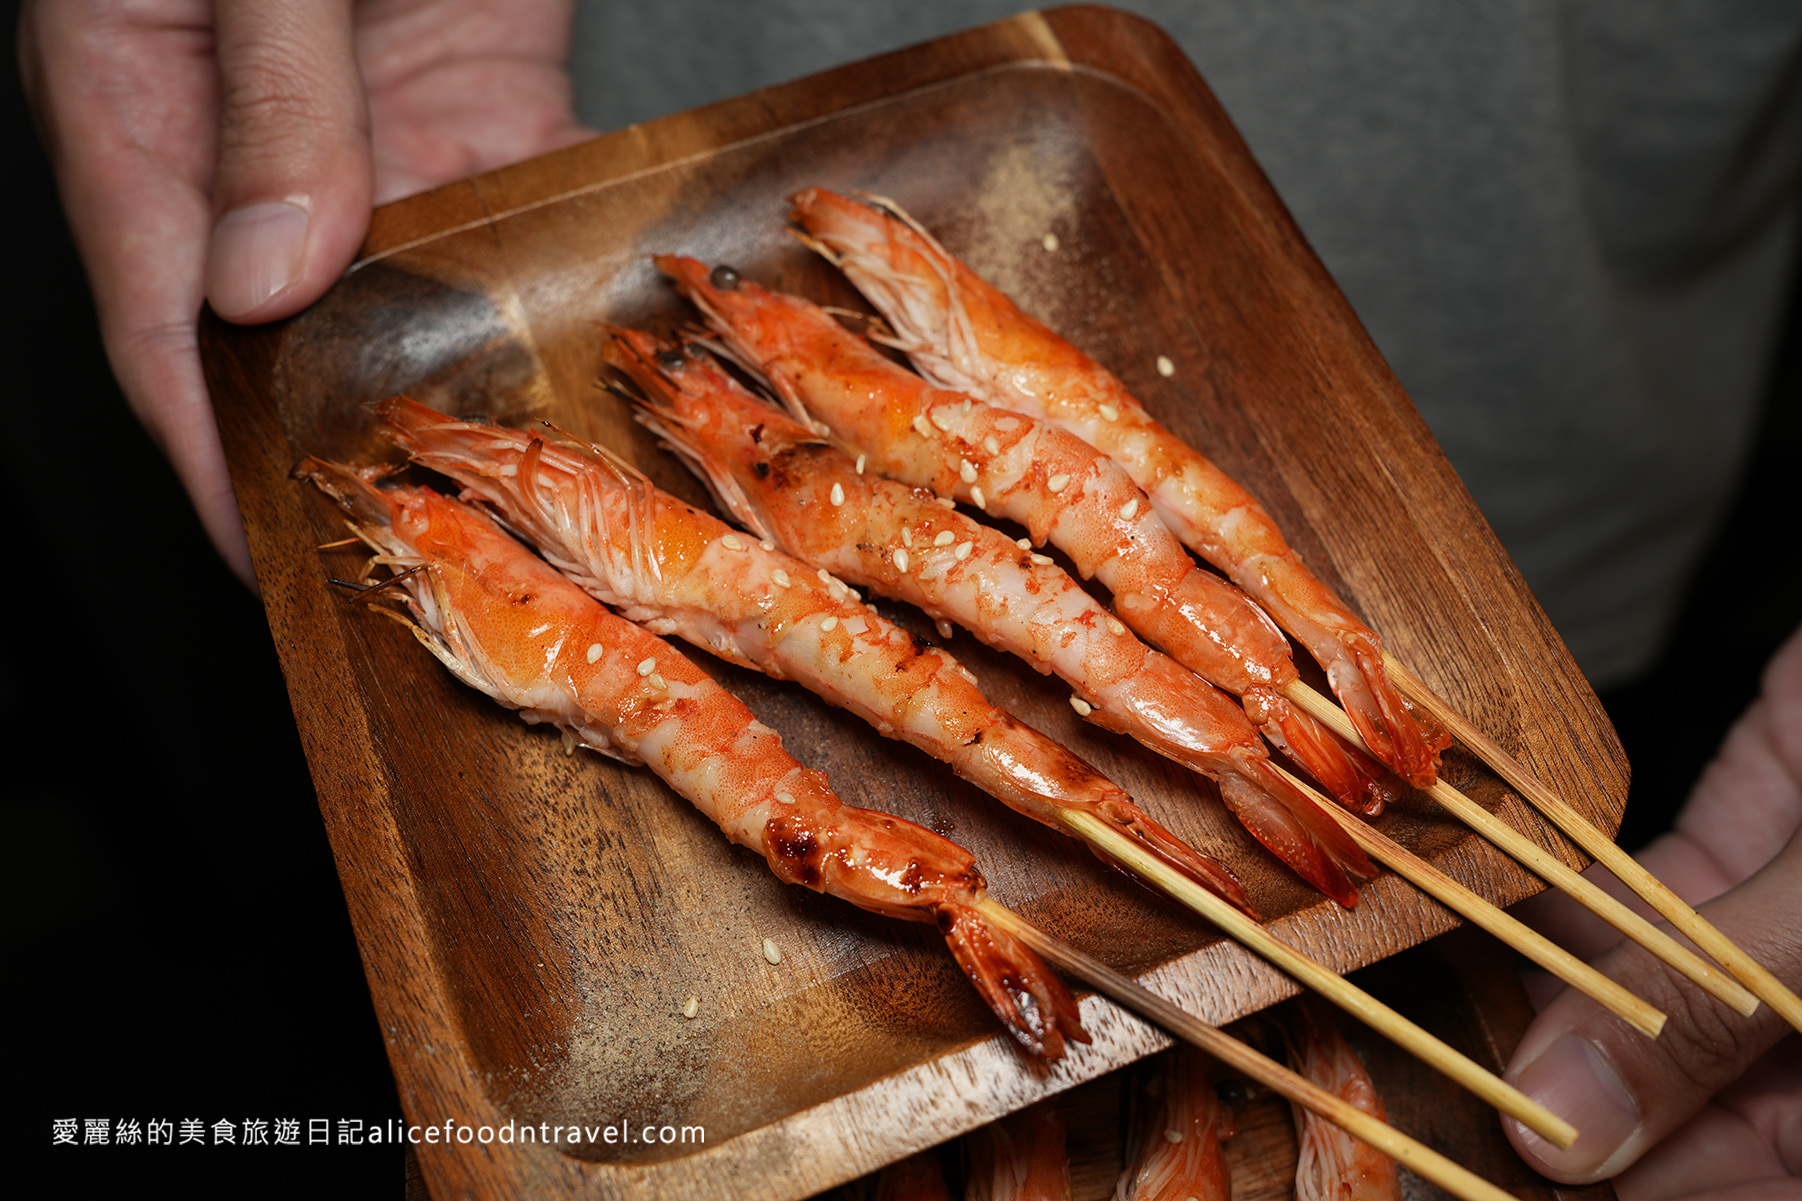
x,y
135,193
291,195
1625,1092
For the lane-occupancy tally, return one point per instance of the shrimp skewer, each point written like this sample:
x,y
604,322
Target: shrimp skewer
x,y
964,334
1052,483
1021,1157
683,572
1174,1151
777,476
1334,1166
507,624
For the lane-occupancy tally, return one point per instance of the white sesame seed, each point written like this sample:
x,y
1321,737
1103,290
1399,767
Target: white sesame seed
x,y
907,536
1130,508
859,464
781,578
944,538
838,494
1109,413
647,667
787,798
594,652
900,559
1050,243
838,590
1114,626
1024,544
967,408
1041,560
1173,1136
1165,367
963,550
831,623
856,625
989,444
855,594
1082,707
944,502
928,574
691,1007
1004,424
977,497
1058,482
825,577
732,542
657,681
771,952
944,629
941,419
966,471
767,544
822,429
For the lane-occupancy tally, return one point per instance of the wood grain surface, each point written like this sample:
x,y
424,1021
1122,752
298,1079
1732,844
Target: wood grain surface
x,y
532,923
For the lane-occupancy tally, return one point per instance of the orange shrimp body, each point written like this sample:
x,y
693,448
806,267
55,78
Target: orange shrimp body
x,y
779,478
509,625
1021,1157
1174,1153
684,572
1058,487
962,333
1334,1166
916,1178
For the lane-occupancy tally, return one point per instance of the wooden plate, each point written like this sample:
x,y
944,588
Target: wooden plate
x,y
532,923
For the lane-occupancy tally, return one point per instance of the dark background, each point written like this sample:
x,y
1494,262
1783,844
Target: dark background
x,y
175,938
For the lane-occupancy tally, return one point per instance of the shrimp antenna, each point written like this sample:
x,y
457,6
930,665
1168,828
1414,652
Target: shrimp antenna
x,y
368,591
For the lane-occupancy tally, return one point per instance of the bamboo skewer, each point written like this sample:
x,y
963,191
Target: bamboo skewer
x,y
1416,1157
1644,884
1329,984
1550,868
1615,998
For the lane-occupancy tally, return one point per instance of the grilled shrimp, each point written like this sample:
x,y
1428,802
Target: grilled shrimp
x,y
1174,1151
1049,481
964,334
780,479
1019,1158
1334,1166
506,623
916,1178
684,572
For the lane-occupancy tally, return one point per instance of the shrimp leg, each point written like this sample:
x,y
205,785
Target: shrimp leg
x,y
1055,485
1173,1153
963,333
683,572
507,624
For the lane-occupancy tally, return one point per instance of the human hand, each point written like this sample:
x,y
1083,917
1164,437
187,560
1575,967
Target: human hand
x,y
232,153
1713,1108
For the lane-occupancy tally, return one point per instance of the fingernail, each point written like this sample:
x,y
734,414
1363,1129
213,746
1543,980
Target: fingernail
x,y
1574,1080
256,253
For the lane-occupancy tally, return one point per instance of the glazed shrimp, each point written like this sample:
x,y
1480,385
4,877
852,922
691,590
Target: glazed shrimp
x,y
505,623
964,334
1021,1157
1049,481
683,572
1334,1166
779,478
1174,1151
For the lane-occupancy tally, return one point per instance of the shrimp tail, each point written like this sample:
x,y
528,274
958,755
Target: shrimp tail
x,y
1025,994
1291,827
1347,773
1402,737
1209,873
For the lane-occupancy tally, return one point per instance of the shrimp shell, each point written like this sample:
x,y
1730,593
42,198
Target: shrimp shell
x,y
684,572
509,625
962,333
1056,486
1334,1166
1019,1158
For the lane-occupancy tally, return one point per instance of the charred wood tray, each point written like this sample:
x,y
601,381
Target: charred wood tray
x,y
532,923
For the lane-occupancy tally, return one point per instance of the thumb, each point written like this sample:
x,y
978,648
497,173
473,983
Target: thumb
x,y
291,193
1625,1092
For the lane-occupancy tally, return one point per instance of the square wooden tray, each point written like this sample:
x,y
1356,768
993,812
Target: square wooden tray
x,y
532,923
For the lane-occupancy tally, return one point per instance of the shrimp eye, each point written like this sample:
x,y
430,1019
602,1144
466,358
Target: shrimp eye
x,y
672,360
724,278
